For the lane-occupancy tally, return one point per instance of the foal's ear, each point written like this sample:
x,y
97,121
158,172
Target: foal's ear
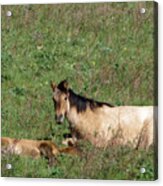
x,y
53,85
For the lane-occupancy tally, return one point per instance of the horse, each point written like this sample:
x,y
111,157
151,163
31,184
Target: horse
x,y
102,123
34,148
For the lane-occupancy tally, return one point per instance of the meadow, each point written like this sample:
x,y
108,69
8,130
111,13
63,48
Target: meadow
x,y
105,51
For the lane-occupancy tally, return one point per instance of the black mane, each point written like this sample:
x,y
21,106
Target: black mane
x,y
81,102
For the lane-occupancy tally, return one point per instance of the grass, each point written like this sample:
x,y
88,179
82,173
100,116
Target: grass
x,y
106,53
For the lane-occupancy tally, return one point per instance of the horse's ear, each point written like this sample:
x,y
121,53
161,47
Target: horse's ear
x,y
53,85
65,84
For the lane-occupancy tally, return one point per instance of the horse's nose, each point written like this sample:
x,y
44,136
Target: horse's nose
x,y
59,118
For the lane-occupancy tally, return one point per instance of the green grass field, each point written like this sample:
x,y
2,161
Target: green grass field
x,y
106,51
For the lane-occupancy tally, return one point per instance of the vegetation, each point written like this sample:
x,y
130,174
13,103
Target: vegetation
x,y
106,53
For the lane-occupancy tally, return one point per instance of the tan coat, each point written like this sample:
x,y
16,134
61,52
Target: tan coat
x,y
125,125
33,148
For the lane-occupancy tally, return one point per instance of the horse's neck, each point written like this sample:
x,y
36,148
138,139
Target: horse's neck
x,y
73,117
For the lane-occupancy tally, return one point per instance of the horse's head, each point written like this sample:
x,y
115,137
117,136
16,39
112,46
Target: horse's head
x,y
60,99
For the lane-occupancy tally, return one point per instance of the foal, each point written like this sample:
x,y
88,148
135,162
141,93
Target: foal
x,y
34,148
101,123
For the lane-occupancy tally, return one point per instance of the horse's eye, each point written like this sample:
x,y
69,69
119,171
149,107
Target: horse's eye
x,y
65,98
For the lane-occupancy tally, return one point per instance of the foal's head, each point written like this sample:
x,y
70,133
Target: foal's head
x,y
61,101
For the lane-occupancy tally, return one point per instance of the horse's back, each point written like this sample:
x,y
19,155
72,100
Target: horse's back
x,y
129,115
138,113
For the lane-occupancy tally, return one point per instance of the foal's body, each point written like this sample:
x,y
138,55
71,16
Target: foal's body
x,y
33,148
101,123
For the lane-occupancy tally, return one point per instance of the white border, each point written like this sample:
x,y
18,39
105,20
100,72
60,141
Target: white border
x,y
61,182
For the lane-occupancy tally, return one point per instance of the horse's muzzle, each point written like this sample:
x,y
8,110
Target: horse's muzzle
x,y
59,119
